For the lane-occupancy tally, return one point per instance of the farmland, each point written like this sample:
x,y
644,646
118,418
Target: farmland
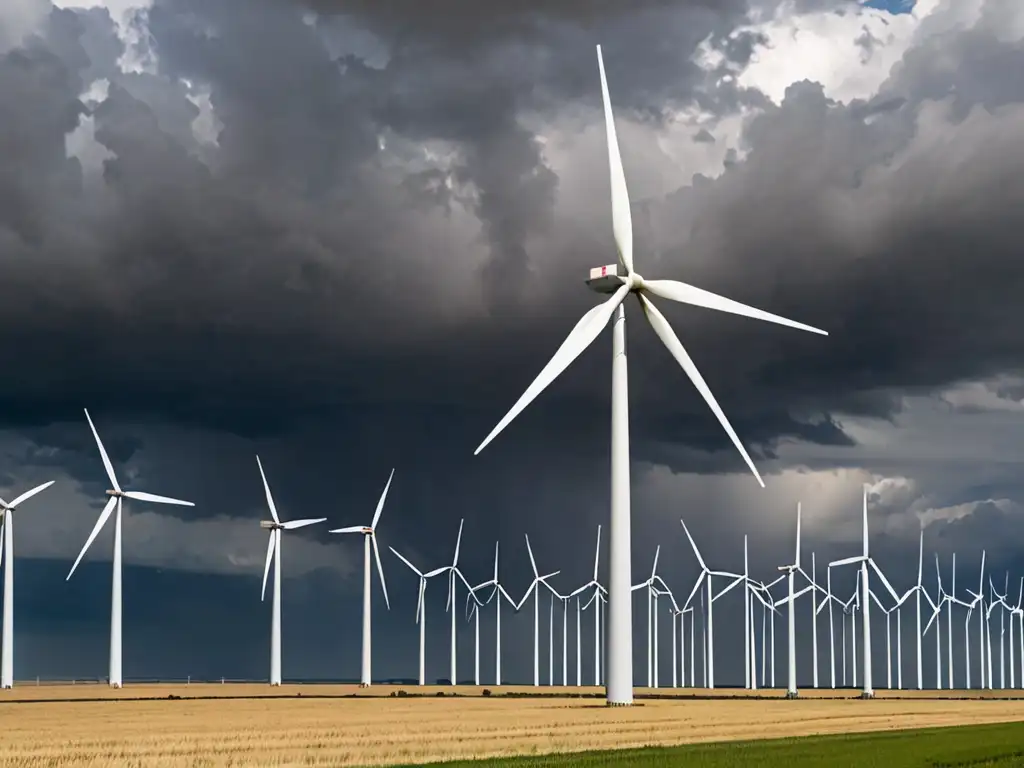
x,y
250,724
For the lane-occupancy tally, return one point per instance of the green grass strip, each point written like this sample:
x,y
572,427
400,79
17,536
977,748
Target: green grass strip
x,y
975,746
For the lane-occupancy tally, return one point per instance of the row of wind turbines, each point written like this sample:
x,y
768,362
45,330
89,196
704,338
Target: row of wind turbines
x,y
698,609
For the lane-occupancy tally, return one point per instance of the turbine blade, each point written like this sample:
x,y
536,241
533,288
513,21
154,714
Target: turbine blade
x,y
581,337
435,572
675,347
657,551
673,290
458,543
266,487
796,562
103,452
380,571
884,580
734,583
597,551
419,600
496,562
291,525
266,567
506,595
700,559
696,586
29,494
380,504
463,580
847,561
622,223
152,497
349,529
415,570
529,550
100,521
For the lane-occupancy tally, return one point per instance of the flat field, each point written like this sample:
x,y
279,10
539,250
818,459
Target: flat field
x,y
310,725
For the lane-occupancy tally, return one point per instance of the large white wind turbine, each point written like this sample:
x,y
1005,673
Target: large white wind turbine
x,y
421,617
865,600
7,547
534,589
116,495
369,533
620,280
275,527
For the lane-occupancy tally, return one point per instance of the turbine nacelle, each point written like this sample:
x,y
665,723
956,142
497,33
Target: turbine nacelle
x,y
266,524
119,494
607,279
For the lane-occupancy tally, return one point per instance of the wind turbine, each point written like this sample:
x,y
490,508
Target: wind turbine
x,y
453,571
7,545
116,495
537,579
275,527
652,619
369,533
619,280
597,612
705,576
790,570
421,617
499,592
979,600
865,602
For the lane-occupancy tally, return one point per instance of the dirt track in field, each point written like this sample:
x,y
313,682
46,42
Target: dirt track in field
x,y
341,725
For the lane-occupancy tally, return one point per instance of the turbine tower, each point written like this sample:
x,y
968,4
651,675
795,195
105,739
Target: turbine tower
x,y
7,546
275,527
619,280
369,533
116,495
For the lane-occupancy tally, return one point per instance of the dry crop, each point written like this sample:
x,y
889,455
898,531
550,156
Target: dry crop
x,y
304,730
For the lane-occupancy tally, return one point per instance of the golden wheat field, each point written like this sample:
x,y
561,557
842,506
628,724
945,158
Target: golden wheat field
x,y
91,725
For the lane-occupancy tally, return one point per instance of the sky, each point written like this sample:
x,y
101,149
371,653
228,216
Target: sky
x,y
345,236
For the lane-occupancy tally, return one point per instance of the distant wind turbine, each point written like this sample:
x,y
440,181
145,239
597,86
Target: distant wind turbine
x,y
864,600
369,533
421,617
620,280
275,527
116,495
497,593
533,589
7,546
